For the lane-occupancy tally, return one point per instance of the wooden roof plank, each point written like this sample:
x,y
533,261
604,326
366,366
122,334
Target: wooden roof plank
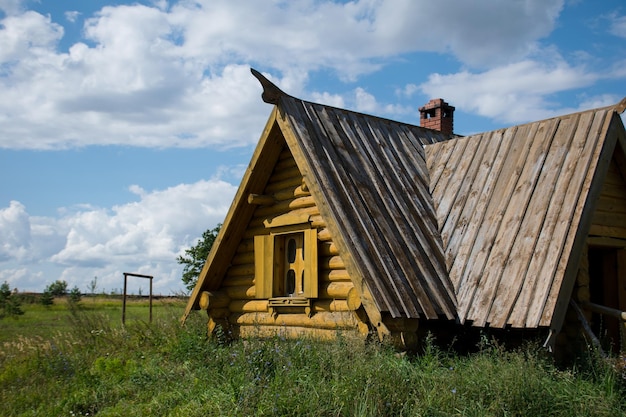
x,y
437,170
456,191
377,198
458,229
546,239
558,297
525,248
513,205
572,185
452,169
293,128
418,226
467,268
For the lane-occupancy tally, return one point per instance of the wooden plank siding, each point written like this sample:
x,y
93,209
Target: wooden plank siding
x,y
372,173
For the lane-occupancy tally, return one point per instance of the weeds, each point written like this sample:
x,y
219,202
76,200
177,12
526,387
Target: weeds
x,y
98,367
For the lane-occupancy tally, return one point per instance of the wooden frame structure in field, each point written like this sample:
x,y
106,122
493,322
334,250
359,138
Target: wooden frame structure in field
x,y
413,226
131,274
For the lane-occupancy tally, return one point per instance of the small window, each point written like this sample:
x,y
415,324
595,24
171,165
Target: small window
x,y
294,264
286,265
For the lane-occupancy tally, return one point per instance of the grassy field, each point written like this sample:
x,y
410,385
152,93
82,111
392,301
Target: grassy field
x,y
62,361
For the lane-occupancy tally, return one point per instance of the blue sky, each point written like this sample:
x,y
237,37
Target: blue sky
x,y
125,127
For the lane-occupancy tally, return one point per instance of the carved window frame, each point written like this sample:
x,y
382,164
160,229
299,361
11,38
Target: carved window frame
x,y
269,260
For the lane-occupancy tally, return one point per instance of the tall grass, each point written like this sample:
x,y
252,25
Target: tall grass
x,y
97,367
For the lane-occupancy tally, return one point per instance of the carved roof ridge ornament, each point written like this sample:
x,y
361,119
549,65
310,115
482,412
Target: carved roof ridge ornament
x,y
271,93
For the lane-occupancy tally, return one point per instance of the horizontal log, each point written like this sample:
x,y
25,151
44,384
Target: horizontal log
x,y
285,206
323,235
248,306
246,245
332,262
330,306
288,183
238,280
336,290
334,275
327,249
261,200
243,258
608,231
288,194
322,320
318,222
255,306
241,292
285,161
214,299
239,270
285,173
295,332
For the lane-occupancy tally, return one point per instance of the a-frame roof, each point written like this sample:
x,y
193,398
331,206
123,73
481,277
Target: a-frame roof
x,y
514,208
486,228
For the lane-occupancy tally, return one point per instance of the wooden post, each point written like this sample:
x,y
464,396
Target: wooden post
x,y
124,299
126,274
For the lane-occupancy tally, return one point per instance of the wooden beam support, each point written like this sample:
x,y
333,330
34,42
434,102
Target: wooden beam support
x,y
260,199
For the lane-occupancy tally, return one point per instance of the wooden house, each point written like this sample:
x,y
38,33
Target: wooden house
x,y
354,224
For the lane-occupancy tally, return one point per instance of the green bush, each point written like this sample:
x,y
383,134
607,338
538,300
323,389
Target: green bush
x,y
58,288
10,305
46,299
74,296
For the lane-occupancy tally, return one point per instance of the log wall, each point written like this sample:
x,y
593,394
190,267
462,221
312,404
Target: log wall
x,y
333,311
609,218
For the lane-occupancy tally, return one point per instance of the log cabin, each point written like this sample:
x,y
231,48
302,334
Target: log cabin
x,y
346,223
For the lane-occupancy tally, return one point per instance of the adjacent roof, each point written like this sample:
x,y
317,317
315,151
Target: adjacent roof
x,y
514,208
486,228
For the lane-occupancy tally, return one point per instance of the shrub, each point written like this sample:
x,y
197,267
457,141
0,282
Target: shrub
x,y
46,299
58,288
9,304
74,296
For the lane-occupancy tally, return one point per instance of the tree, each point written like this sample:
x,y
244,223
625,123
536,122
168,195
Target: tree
x,y
93,284
195,257
46,298
9,304
74,296
58,288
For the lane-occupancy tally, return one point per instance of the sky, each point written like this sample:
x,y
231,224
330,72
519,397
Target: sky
x,y
126,127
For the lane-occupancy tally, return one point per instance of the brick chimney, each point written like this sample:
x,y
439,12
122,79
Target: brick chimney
x,y
437,115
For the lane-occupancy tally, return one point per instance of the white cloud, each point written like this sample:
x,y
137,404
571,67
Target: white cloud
x,y
177,75
72,16
479,33
15,236
618,26
512,93
11,7
145,236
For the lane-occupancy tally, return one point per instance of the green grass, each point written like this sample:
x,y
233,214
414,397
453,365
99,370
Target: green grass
x,y
62,362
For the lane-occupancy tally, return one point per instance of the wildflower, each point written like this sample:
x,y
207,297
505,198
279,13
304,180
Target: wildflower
x,y
453,390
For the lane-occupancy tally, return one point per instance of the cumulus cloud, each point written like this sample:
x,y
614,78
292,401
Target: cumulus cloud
x,y
15,236
511,93
177,75
144,236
